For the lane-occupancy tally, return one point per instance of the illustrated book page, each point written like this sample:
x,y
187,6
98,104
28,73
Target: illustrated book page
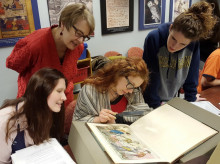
x,y
163,135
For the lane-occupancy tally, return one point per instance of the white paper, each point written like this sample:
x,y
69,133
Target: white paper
x,y
207,106
47,152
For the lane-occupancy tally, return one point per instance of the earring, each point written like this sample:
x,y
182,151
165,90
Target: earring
x,y
61,33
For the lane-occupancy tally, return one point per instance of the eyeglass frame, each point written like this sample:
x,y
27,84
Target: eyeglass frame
x,y
79,34
135,89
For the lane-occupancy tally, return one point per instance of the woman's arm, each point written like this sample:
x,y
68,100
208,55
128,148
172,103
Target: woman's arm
x,y
211,71
21,58
207,82
89,104
191,82
151,48
5,148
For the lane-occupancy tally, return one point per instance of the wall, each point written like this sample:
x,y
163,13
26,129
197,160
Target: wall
x,y
98,45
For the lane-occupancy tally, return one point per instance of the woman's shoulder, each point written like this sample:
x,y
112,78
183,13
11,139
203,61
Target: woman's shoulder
x,y
7,111
37,37
89,88
5,114
216,52
39,33
159,36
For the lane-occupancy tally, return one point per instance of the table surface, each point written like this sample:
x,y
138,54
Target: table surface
x,y
213,95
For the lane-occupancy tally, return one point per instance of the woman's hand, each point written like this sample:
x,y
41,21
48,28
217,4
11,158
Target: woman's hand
x,y
105,116
198,98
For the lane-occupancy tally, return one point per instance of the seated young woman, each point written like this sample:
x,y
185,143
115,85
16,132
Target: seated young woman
x,y
34,117
115,88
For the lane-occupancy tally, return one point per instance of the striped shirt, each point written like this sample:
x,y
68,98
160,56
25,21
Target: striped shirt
x,y
90,102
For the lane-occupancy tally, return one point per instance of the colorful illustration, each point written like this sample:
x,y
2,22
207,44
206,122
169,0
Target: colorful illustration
x,y
16,5
16,18
125,144
2,9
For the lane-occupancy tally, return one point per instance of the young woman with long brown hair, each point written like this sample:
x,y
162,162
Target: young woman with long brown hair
x,y
34,117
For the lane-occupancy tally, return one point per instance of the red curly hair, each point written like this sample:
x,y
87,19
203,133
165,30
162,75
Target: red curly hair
x,y
111,72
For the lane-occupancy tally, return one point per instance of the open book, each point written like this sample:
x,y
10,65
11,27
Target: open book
x,y
47,152
163,135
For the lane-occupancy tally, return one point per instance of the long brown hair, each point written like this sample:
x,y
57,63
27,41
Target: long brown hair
x,y
112,71
42,122
197,22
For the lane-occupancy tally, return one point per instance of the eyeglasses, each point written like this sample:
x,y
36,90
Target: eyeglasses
x,y
79,34
131,86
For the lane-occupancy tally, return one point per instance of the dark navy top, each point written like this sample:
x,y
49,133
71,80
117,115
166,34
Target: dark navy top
x,y
18,142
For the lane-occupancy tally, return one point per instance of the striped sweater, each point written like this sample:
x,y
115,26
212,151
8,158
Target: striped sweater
x,y
90,102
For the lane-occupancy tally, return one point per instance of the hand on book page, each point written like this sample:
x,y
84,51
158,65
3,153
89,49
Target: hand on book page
x,y
105,116
163,135
45,153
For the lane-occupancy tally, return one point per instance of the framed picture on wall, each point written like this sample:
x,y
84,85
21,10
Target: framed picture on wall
x,y
55,8
116,16
177,7
17,20
151,13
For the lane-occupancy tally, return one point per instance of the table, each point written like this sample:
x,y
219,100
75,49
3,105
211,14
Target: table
x,y
213,95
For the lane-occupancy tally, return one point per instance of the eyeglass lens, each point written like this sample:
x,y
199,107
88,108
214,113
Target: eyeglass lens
x,y
79,34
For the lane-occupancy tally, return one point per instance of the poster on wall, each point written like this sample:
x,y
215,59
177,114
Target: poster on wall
x,y
56,6
151,13
177,7
116,16
18,18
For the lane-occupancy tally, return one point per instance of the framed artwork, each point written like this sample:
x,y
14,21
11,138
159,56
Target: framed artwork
x,y
177,7
116,16
18,18
56,6
151,13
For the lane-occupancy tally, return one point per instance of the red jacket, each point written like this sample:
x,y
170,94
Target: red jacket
x,y
38,50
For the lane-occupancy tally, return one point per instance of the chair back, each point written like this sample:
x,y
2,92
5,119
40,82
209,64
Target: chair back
x,y
112,53
135,52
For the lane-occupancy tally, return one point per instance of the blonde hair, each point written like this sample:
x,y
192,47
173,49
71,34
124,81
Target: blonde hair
x,y
73,13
